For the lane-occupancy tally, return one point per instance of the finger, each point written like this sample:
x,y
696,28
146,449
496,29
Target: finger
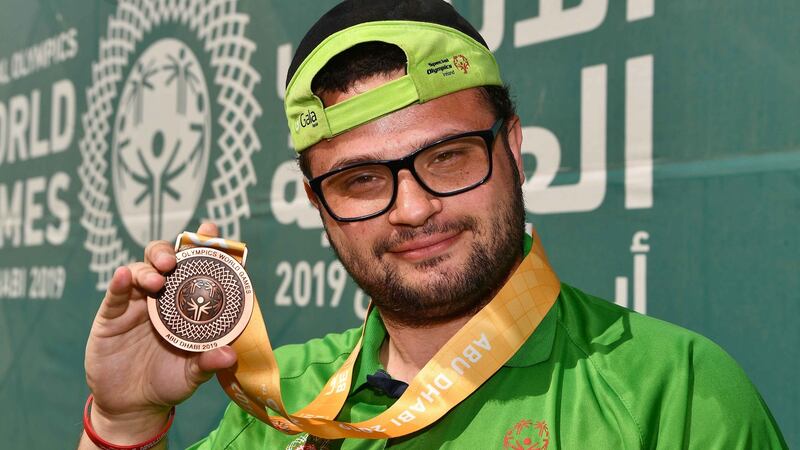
x,y
161,254
205,364
146,278
208,229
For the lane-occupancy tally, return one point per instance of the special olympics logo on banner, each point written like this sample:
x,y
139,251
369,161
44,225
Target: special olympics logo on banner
x,y
160,142
149,127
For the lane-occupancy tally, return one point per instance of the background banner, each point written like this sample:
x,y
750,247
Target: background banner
x,y
661,144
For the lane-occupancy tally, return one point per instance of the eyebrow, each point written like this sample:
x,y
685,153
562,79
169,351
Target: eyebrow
x,y
370,157
350,160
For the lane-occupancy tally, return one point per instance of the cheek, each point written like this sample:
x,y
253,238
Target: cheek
x,y
504,177
349,237
483,200
487,201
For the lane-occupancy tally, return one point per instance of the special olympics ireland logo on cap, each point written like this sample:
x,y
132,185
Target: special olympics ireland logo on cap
x,y
461,63
171,106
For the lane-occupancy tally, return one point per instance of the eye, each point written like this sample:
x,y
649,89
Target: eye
x,y
363,179
447,156
443,156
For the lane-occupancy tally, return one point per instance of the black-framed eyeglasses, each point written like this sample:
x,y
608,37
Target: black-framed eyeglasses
x,y
451,166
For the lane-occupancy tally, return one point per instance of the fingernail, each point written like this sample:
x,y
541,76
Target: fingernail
x,y
164,260
154,278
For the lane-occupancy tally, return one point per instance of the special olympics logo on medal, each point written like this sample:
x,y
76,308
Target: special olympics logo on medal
x,y
156,128
200,299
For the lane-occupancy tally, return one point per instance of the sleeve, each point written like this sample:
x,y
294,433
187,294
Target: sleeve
x,y
681,389
725,411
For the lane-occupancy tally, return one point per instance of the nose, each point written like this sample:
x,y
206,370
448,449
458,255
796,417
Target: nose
x,y
413,205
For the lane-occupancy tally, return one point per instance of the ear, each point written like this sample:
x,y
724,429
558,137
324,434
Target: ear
x,y
312,197
514,139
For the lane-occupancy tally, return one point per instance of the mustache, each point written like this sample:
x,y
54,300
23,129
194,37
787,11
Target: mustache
x,y
408,233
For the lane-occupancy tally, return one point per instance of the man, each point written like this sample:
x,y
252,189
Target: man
x,y
411,148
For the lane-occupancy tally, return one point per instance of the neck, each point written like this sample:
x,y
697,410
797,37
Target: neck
x,y
407,350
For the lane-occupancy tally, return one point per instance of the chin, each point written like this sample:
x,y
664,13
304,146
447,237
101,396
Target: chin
x,y
440,265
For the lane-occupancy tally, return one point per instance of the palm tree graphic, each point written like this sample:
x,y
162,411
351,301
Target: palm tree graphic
x,y
139,82
181,71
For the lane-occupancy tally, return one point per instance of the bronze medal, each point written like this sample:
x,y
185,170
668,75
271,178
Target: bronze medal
x,y
206,301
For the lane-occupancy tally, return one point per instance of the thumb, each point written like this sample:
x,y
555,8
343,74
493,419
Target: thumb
x,y
208,229
118,294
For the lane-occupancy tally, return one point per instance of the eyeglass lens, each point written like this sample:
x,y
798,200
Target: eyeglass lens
x,y
445,168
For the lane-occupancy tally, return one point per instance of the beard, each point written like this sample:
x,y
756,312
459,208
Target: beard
x,y
449,293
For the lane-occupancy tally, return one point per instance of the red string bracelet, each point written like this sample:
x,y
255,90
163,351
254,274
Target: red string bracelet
x,y
105,445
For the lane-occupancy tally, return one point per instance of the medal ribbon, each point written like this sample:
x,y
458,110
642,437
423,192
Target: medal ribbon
x,y
460,367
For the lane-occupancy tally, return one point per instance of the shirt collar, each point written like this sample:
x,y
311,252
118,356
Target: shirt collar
x,y
539,346
369,360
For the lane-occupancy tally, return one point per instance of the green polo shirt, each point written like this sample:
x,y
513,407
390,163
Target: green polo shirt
x,y
592,376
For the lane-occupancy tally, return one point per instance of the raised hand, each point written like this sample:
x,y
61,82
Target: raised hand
x,y
134,375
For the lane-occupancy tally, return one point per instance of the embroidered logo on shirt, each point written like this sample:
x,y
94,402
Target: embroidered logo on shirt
x,y
526,435
308,442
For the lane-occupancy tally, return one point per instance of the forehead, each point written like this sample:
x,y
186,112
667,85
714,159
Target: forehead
x,y
403,131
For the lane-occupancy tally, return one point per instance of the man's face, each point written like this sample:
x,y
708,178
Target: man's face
x,y
428,259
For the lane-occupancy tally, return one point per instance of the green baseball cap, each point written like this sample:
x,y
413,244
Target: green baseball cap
x,y
445,54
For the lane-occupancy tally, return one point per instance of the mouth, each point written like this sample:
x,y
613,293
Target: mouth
x,y
425,247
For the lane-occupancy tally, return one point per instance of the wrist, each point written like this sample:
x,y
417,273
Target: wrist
x,y
125,430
